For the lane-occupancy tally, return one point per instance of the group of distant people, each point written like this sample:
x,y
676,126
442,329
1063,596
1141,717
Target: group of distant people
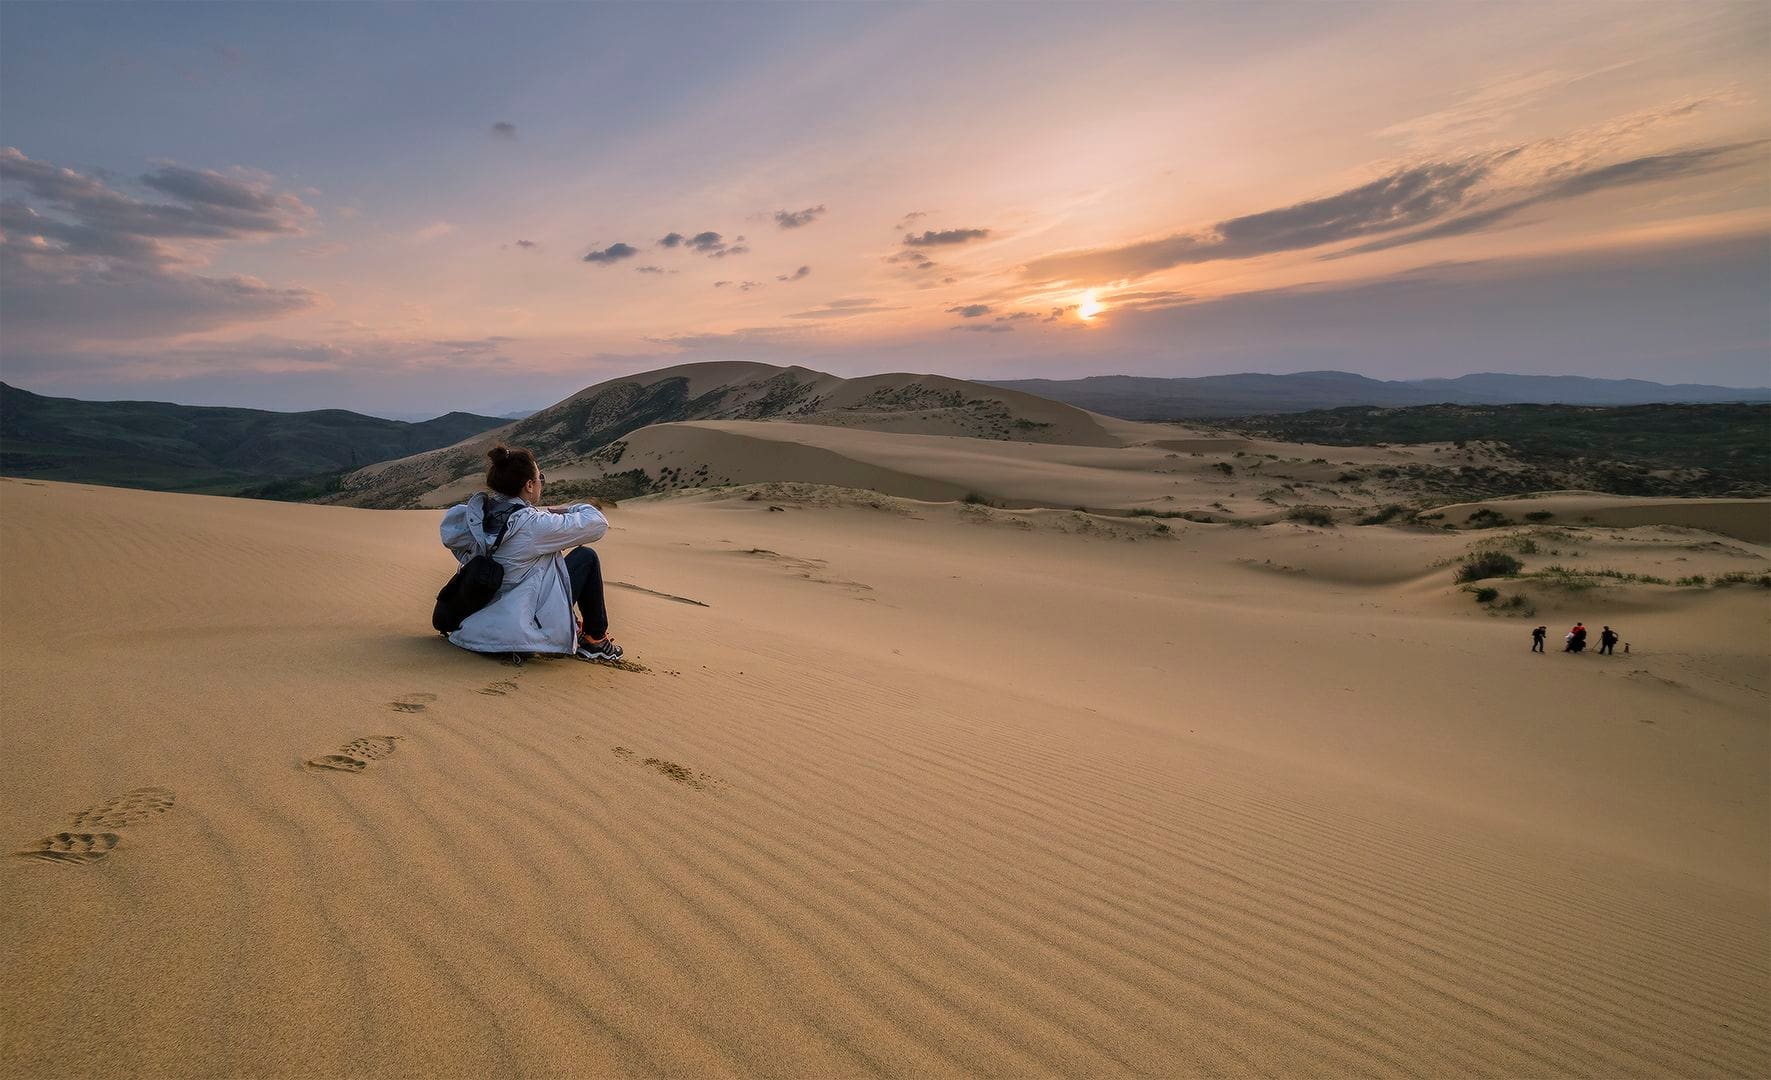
x,y
1576,640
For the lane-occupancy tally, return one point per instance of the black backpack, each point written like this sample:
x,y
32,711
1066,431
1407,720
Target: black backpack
x,y
472,588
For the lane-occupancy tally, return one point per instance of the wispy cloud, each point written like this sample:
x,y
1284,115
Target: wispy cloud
x,y
844,308
504,129
802,272
1404,197
970,311
1642,170
614,253
794,219
708,242
914,261
434,231
81,260
1417,202
748,338
944,237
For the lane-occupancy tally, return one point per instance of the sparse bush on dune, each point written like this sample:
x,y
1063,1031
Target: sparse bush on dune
x,y
1488,564
1577,579
1311,515
1515,605
1385,515
1539,515
972,498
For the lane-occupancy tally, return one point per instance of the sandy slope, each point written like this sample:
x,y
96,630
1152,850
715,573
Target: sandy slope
x,y
914,789
1159,467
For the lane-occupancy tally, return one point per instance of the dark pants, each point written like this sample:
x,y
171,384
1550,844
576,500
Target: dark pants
x,y
1605,647
587,588
1537,644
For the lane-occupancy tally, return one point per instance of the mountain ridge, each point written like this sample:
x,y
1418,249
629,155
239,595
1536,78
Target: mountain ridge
x,y
222,450
1139,397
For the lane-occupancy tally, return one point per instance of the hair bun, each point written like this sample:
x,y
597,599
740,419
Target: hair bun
x,y
498,454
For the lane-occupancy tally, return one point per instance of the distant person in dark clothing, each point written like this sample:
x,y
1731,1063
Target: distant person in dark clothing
x,y
1577,639
1607,639
1537,638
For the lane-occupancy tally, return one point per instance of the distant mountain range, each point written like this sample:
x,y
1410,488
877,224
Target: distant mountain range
x,y
158,445
1133,397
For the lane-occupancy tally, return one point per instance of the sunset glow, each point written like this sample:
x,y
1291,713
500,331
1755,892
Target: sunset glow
x,y
1402,190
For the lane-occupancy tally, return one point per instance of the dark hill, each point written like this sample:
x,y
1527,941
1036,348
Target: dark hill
x,y
1676,450
1133,397
162,446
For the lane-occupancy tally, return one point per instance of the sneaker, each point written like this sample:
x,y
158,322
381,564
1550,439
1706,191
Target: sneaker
x,y
605,649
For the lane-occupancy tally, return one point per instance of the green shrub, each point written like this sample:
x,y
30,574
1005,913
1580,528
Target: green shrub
x,y
1224,467
1488,564
1311,515
972,498
1739,577
1485,594
1694,579
1487,518
1386,514
1539,515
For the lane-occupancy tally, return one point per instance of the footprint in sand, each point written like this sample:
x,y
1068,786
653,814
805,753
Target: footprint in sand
x,y
497,689
134,807
355,756
680,774
129,808
411,703
70,847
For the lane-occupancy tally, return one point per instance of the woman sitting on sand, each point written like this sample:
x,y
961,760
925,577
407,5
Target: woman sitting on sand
x,y
532,611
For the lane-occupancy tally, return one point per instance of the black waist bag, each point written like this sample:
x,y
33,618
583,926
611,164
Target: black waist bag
x,y
472,588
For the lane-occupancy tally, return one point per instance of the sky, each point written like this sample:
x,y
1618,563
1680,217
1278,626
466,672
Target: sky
x,y
408,209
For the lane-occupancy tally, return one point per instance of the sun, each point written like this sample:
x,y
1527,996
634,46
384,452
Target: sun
x,y
1090,307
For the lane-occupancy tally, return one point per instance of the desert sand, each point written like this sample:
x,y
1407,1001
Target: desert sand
x,y
892,787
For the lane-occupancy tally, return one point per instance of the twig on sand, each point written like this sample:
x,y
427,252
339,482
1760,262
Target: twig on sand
x,y
655,592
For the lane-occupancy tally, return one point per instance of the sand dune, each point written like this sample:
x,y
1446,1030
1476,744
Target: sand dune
x,y
1148,467
1748,519
912,788
598,415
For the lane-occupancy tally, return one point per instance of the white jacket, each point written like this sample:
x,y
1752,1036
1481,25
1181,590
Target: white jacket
x,y
533,609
